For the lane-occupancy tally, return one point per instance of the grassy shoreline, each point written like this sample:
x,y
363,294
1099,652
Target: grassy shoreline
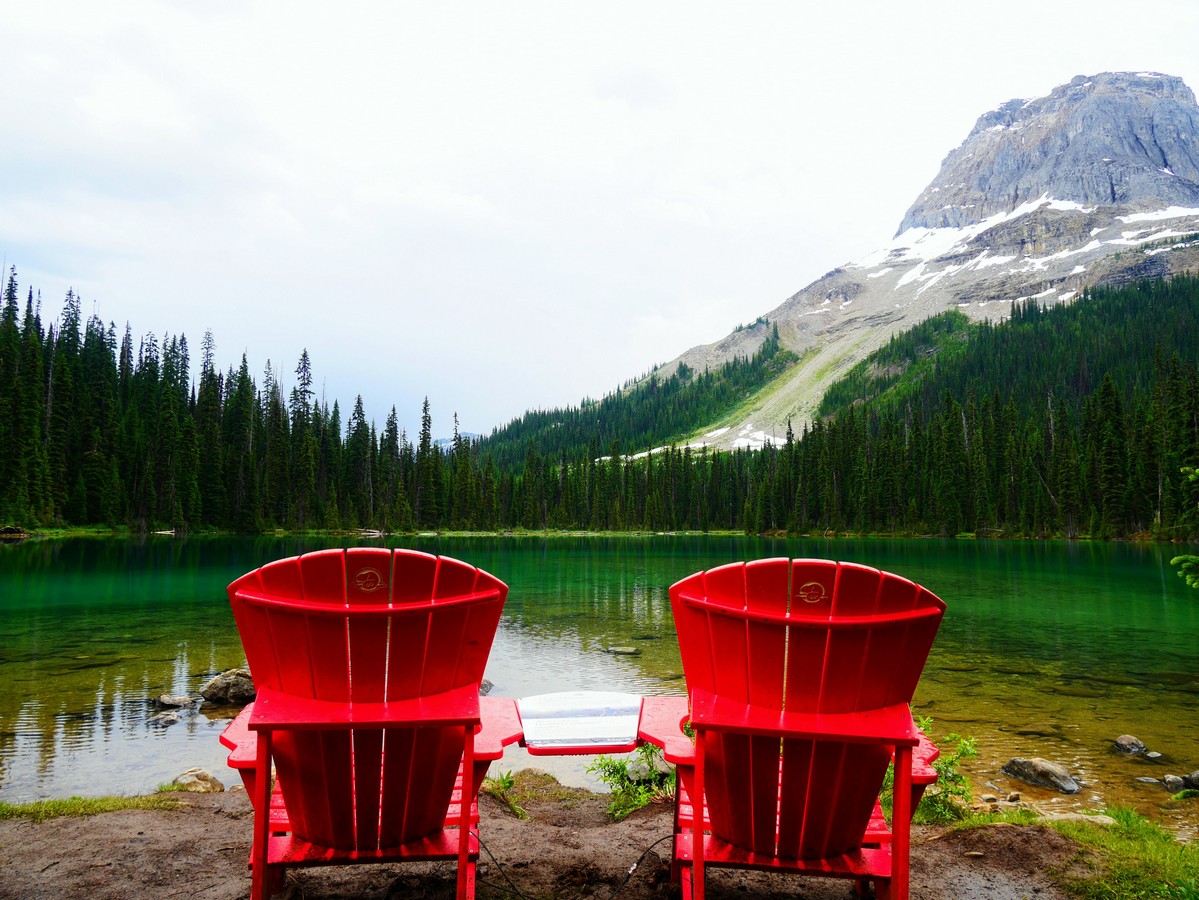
x,y
98,531
1126,856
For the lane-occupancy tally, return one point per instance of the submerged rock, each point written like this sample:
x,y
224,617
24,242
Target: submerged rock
x,y
1126,743
164,719
233,687
1041,772
624,651
1173,783
174,701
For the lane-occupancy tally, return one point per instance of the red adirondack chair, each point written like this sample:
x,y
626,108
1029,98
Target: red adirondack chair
x,y
367,664
799,675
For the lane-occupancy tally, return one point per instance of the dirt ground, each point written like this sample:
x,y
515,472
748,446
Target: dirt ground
x,y
566,848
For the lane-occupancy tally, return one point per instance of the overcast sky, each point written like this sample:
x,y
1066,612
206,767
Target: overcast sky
x,y
502,206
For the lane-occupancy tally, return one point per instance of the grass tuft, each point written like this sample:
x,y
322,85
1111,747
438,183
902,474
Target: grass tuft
x,y
41,810
501,786
1139,860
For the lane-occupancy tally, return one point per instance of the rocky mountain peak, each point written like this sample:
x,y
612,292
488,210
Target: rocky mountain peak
x,y
1096,183
1113,139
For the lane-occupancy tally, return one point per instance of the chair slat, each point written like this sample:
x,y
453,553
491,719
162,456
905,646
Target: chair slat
x,y
765,657
813,583
367,753
407,641
794,778
730,656
725,585
399,748
767,585
763,766
368,576
483,619
324,576
843,670
691,625
281,578
447,630
454,578
857,590
413,575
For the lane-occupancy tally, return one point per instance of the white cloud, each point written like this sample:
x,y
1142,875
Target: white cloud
x,y
500,206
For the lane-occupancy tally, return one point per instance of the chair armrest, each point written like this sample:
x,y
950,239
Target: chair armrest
x,y
501,727
241,741
275,710
661,724
924,754
889,724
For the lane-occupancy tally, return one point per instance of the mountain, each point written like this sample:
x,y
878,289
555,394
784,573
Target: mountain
x,y
1095,184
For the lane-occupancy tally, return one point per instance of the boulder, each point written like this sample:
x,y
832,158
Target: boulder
x,y
174,701
199,781
234,687
1041,772
1130,745
1174,784
1192,780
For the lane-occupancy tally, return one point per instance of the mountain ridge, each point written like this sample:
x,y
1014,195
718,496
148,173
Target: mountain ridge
x,y
1004,236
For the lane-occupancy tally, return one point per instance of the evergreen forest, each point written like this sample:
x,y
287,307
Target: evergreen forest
x,y
1069,421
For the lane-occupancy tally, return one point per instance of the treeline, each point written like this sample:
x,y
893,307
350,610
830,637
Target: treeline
x,y
649,414
96,430
1069,421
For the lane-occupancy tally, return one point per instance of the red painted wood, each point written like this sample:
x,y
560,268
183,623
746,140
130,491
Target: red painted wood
x,y
368,576
413,576
323,575
724,586
767,585
454,578
368,663
799,697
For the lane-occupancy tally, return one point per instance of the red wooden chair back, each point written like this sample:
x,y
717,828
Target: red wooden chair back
x,y
808,636
370,625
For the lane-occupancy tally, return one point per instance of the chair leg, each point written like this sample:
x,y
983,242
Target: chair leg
x,y
901,825
697,820
261,875
466,868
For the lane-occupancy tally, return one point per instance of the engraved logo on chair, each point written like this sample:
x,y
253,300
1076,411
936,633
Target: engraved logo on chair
x,y
812,592
369,580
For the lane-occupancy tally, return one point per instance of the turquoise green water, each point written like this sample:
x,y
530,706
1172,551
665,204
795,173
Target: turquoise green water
x,y
1047,649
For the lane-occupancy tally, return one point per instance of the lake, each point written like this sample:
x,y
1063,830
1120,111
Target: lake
x,y
1047,649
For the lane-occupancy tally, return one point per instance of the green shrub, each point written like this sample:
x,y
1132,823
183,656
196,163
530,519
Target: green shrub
x,y
949,799
634,782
